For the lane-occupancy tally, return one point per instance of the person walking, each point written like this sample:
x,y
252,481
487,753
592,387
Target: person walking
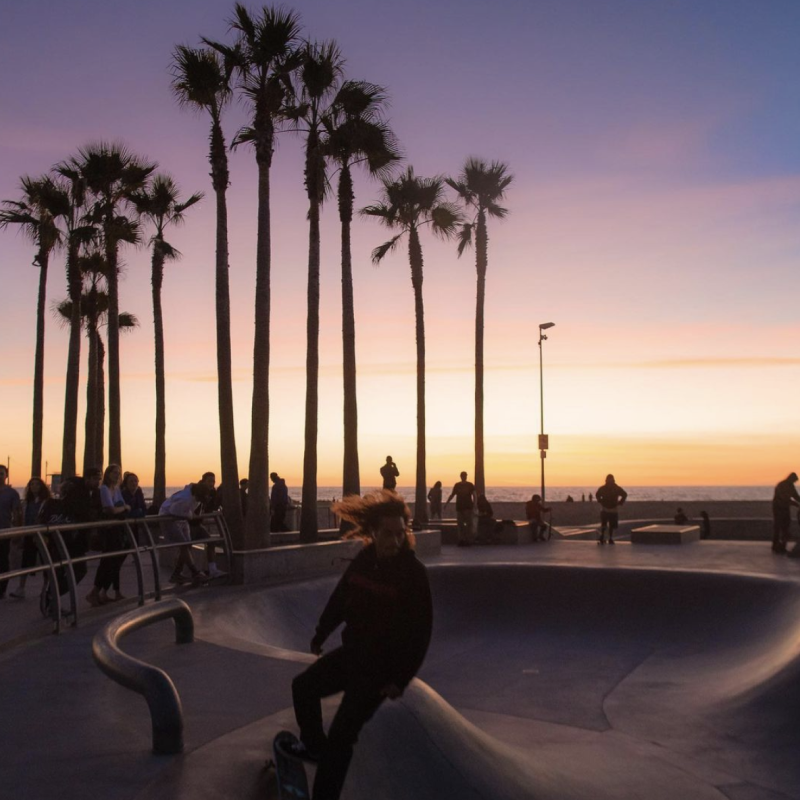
x,y
782,501
10,517
435,499
464,492
390,474
36,494
384,601
611,497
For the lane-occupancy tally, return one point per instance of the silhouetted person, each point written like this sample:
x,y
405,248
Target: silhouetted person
x,y
186,505
570,499
583,497
435,498
611,497
278,503
534,509
784,498
705,525
680,517
384,601
590,497
464,492
390,474
10,517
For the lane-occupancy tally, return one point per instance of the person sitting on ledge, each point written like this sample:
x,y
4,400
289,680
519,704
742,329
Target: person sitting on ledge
x,y
384,601
680,517
533,511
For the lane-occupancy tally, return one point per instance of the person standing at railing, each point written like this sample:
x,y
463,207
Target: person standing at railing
x,y
36,494
187,505
10,517
133,496
108,570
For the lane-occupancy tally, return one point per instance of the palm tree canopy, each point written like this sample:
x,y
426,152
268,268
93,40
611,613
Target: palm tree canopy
x,y
356,131
410,202
160,203
41,204
110,171
263,56
481,186
200,79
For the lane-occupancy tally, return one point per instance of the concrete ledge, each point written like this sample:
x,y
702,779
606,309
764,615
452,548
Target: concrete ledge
x,y
303,561
510,531
665,534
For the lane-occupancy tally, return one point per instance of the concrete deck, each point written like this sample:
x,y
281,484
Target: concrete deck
x,y
557,670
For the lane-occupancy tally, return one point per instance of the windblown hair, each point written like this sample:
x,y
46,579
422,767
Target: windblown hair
x,y
107,474
366,512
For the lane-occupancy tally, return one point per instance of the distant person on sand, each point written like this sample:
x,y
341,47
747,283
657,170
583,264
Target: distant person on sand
x,y
278,504
435,498
390,474
533,512
464,492
590,497
785,497
680,517
611,497
384,601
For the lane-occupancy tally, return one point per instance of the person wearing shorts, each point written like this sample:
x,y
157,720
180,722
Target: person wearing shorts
x,y
464,492
182,506
611,497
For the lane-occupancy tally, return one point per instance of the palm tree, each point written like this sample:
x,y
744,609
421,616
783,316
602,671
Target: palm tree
x,y
318,77
202,81
36,213
159,203
111,174
408,204
356,134
480,186
71,188
94,311
264,57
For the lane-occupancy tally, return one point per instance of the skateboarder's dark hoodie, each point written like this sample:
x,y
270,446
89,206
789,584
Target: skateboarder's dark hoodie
x,y
386,609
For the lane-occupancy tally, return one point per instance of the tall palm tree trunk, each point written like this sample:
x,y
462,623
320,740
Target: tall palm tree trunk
x,y
90,423
231,501
308,514
114,398
100,405
420,493
160,471
351,479
257,521
481,261
38,368
69,440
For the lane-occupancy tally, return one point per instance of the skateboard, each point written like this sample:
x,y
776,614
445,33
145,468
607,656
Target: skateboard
x,y
291,771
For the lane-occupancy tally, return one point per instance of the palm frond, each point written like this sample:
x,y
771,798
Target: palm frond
x,y
465,238
379,252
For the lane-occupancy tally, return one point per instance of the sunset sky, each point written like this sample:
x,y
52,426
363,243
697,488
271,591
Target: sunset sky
x,y
655,148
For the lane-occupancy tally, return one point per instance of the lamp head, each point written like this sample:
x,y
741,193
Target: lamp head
x,y
545,325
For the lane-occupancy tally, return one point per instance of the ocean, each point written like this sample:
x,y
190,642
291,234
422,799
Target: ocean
x,y
521,494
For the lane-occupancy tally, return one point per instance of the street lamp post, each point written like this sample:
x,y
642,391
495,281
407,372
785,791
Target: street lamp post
x,y
543,443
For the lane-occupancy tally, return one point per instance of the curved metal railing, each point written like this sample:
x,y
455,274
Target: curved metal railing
x,y
166,712
57,560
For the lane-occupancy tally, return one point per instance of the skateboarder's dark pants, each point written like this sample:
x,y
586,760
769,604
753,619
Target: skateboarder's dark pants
x,y
781,523
610,520
334,672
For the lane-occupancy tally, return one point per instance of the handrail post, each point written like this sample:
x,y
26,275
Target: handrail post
x,y
137,559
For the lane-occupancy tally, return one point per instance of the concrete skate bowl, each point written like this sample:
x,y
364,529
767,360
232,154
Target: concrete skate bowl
x,y
562,682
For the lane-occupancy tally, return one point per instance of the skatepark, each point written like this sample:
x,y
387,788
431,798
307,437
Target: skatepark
x,y
555,671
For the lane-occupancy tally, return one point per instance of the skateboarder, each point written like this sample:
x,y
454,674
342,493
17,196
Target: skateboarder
x,y
384,601
611,497
785,497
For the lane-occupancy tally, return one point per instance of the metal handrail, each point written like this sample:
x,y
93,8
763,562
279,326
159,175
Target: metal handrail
x,y
51,562
157,688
